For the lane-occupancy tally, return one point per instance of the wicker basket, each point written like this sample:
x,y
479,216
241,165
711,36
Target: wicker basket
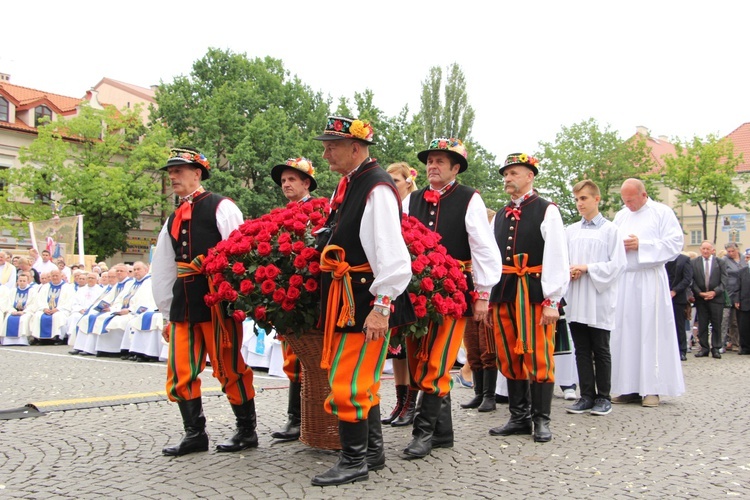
x,y
319,429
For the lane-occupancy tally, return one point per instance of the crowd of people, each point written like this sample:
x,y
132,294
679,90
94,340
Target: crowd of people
x,y
531,280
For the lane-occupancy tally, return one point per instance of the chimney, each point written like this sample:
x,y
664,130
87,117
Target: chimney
x,y
641,130
4,77
93,96
663,138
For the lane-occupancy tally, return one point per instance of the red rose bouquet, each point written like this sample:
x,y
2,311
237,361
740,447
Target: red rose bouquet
x,y
268,269
438,283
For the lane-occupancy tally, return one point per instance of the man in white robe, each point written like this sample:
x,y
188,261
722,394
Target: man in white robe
x,y
51,309
15,328
84,339
108,343
645,358
136,304
83,300
7,272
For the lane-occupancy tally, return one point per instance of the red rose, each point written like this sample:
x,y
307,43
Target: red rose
x,y
239,316
295,280
272,272
311,285
285,238
299,227
427,285
279,295
449,285
292,293
420,311
423,259
267,287
439,303
260,313
218,279
211,299
417,247
288,305
300,262
263,236
238,268
314,268
298,247
417,267
246,286
309,253
260,274
436,258
284,249
264,248
438,272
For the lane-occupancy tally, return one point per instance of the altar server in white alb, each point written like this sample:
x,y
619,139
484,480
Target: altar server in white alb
x,y
15,329
142,333
95,322
597,259
51,308
645,357
6,306
108,341
83,337
84,298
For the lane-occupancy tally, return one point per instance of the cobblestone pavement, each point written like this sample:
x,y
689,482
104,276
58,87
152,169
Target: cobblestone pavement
x,y
106,422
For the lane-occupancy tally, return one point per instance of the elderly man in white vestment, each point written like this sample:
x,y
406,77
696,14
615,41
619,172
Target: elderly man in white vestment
x,y
51,308
15,327
7,272
645,358
84,298
94,323
142,332
108,342
83,337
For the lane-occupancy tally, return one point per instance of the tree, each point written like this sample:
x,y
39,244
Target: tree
x,y
704,172
585,151
92,164
246,116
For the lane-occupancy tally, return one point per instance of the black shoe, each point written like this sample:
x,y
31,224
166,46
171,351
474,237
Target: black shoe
x,y
84,353
581,406
501,400
126,357
245,436
602,406
488,401
406,417
702,353
375,447
743,352
443,435
74,352
541,402
352,464
195,438
683,356
519,404
292,427
716,354
57,340
478,377
401,391
424,426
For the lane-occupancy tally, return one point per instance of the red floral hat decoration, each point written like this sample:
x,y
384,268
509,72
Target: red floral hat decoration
x,y
339,127
523,159
188,156
452,146
301,165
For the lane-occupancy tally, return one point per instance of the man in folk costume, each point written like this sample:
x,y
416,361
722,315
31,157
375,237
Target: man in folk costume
x,y
459,215
138,296
85,343
296,178
365,266
15,325
146,323
51,309
199,223
645,359
7,272
82,301
107,343
531,237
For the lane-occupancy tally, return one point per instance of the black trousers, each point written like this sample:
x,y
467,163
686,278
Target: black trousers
x,y
593,360
709,312
743,325
679,322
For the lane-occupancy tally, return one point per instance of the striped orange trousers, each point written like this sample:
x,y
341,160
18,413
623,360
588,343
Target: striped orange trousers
x,y
537,365
431,357
292,365
354,375
188,345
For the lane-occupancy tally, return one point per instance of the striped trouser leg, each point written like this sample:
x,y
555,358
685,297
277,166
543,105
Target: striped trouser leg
x,y
355,375
292,365
227,362
431,357
187,359
537,365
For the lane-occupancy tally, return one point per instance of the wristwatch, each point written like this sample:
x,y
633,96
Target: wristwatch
x,y
385,311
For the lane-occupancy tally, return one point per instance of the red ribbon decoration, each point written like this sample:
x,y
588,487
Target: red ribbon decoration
x,y
514,211
184,212
340,192
431,196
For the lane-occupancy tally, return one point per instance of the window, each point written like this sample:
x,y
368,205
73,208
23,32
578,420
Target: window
x,y
40,112
696,237
4,116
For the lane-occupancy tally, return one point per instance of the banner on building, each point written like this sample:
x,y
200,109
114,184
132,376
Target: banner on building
x,y
58,236
732,222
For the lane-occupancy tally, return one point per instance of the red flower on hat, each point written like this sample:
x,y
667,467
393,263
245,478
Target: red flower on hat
x,y
337,125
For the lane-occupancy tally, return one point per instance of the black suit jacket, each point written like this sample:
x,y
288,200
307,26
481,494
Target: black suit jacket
x,y
717,281
680,275
742,294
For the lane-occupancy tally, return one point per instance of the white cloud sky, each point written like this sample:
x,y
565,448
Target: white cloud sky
x,y
677,67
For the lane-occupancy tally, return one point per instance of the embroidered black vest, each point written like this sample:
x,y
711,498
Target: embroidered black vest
x,y
196,236
516,236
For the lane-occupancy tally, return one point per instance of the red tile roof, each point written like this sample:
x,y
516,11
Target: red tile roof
x,y
142,92
740,137
25,98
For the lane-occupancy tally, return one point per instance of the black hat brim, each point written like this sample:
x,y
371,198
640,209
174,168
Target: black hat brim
x,y
422,155
527,165
176,162
277,170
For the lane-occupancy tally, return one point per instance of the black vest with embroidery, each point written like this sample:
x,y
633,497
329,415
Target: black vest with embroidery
x,y
195,238
345,225
448,218
516,236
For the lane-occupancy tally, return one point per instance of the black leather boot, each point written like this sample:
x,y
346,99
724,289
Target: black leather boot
x,y
541,402
406,417
519,404
245,436
291,429
424,426
401,391
488,398
352,464
375,448
194,422
443,435
478,378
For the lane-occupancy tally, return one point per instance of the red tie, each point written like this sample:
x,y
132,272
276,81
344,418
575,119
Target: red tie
x,y
340,192
183,212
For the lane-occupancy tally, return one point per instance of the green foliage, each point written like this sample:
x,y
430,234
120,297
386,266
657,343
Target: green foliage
x,y
445,109
91,164
585,151
703,171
